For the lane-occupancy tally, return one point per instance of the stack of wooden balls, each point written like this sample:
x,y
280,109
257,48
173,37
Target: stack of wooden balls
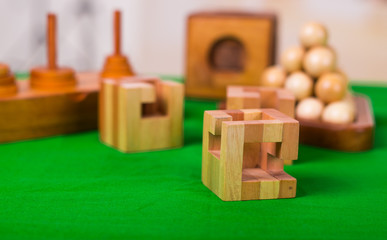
x,y
310,72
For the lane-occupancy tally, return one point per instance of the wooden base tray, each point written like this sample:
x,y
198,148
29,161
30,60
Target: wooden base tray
x,y
355,137
34,114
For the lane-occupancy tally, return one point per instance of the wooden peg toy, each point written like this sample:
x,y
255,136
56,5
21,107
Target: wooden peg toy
x,y
117,65
8,85
244,151
141,114
52,77
55,100
242,97
227,48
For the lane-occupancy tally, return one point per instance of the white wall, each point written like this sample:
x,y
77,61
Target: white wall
x,y
154,31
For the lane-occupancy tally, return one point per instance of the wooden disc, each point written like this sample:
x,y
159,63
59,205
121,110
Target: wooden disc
x,y
43,78
116,66
7,81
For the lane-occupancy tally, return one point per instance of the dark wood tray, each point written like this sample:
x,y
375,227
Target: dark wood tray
x,y
355,137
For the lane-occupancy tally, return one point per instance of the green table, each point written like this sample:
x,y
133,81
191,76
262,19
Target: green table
x,y
75,187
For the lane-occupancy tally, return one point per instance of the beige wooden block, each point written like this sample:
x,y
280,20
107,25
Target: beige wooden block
x,y
250,190
269,189
251,114
232,155
288,184
107,116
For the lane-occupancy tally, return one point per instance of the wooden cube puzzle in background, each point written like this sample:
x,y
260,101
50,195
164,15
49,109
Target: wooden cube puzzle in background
x,y
140,114
241,97
243,154
225,48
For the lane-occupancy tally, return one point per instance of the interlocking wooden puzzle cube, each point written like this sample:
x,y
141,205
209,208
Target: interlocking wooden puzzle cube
x,y
140,114
248,97
243,153
225,48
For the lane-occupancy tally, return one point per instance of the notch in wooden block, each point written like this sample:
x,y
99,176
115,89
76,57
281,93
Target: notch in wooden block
x,y
243,159
140,114
226,48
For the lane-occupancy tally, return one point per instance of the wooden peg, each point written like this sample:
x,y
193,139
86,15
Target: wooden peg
x,y
52,77
117,65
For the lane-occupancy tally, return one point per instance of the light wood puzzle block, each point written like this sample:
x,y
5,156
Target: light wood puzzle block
x,y
243,153
227,48
248,97
55,100
140,114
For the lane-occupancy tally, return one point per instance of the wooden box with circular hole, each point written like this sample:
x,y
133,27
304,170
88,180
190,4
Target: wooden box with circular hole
x,y
227,48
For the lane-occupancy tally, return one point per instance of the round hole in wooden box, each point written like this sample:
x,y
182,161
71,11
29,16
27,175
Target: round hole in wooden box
x,y
227,54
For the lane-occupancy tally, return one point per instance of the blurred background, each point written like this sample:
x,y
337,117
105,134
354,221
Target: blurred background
x,y
154,31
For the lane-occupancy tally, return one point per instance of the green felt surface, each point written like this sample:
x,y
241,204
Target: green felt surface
x,y
74,187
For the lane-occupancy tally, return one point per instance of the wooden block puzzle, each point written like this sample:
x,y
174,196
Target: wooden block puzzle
x,y
227,48
244,151
242,97
55,100
139,114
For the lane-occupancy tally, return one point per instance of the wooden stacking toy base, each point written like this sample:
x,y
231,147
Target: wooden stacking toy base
x,y
244,152
354,137
35,113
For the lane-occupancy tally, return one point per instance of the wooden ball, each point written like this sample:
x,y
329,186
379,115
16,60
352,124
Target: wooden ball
x,y
309,109
338,113
300,84
291,59
319,60
273,77
313,34
331,87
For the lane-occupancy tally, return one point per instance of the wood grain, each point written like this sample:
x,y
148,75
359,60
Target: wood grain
x,y
143,114
34,114
240,160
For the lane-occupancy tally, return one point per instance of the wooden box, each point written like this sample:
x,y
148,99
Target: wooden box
x,y
227,48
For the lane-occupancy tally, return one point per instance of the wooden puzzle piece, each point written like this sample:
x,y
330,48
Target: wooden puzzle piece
x,y
225,48
247,97
243,153
139,114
